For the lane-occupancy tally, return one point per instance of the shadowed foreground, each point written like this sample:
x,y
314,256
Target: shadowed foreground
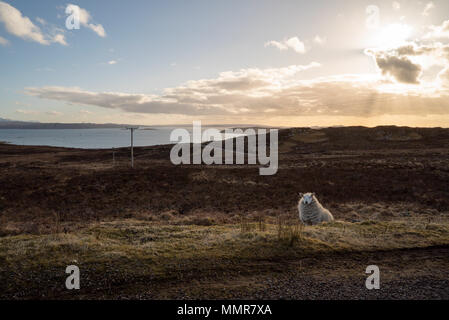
x,y
162,231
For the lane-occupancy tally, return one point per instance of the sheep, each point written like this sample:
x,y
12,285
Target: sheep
x,y
311,211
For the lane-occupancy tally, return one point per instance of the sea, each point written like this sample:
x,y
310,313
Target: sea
x,y
88,138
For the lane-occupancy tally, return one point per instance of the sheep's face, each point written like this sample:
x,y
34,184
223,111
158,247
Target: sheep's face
x,y
308,198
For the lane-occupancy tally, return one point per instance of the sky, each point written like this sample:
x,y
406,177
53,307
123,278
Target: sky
x,y
279,63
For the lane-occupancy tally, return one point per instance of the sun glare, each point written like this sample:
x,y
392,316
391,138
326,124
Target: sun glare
x,y
392,35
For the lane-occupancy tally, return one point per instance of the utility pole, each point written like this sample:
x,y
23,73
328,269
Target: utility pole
x,y
132,144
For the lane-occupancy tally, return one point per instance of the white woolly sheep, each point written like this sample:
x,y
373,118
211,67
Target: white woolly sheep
x,y
311,211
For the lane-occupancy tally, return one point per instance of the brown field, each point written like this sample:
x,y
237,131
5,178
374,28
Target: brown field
x,y
160,231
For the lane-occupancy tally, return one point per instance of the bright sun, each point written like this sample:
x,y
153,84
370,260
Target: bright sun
x,y
392,35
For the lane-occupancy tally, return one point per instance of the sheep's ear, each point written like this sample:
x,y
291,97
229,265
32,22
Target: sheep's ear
x,y
300,194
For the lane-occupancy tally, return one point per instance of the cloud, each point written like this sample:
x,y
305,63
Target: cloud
x,y
406,63
319,40
27,112
437,32
257,93
396,5
399,67
292,43
281,46
402,69
60,38
207,96
296,45
85,19
22,104
429,6
54,113
112,62
20,26
443,78
35,112
434,53
3,41
41,21
114,100
345,95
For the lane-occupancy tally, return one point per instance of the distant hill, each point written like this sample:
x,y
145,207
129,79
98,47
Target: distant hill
x,y
14,124
309,140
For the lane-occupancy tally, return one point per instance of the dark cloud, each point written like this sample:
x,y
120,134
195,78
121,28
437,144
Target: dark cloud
x,y
401,62
400,68
395,63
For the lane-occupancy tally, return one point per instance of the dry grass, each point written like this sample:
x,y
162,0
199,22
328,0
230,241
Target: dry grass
x,y
136,239
132,249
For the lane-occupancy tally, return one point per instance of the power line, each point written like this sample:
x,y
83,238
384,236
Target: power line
x,y
132,143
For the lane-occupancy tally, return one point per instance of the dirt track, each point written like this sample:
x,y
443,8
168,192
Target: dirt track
x,y
405,274
419,273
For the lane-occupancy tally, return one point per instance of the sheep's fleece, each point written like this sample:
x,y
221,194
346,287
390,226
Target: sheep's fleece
x,y
311,211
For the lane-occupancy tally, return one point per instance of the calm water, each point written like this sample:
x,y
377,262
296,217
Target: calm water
x,y
86,138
